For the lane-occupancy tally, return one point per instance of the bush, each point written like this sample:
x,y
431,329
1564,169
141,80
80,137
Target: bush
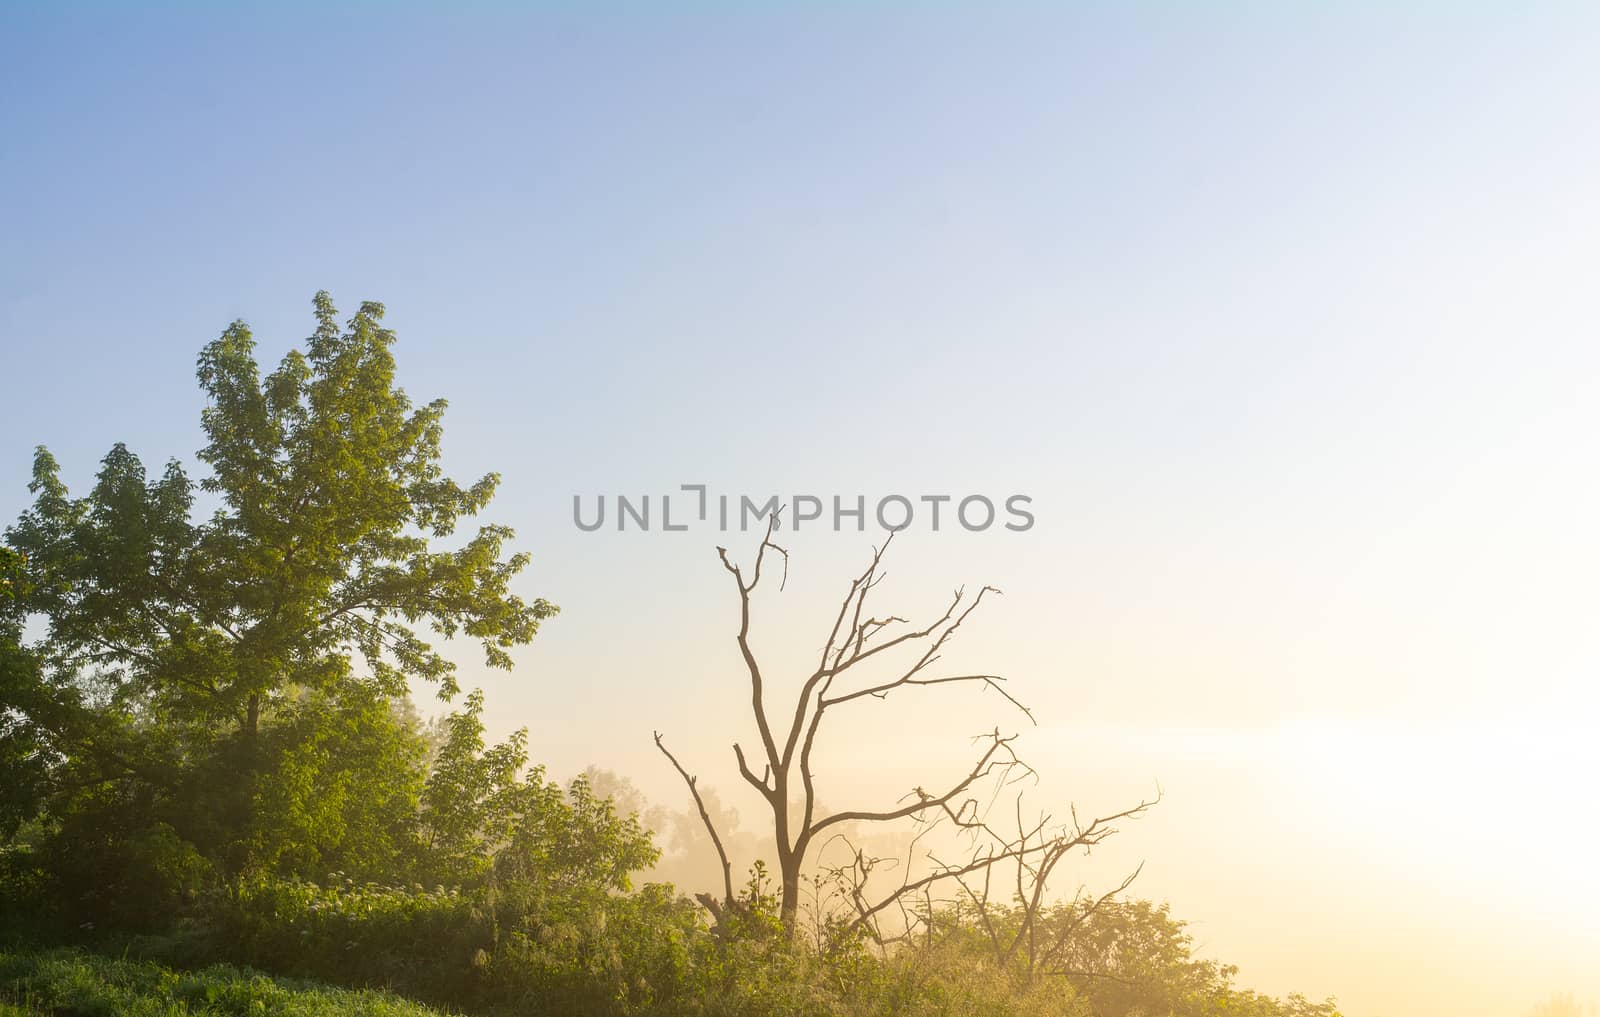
x,y
420,941
625,954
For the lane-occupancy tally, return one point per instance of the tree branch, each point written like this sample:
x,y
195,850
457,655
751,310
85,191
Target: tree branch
x,y
705,817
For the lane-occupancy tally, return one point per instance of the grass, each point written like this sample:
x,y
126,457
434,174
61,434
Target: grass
x,y
68,983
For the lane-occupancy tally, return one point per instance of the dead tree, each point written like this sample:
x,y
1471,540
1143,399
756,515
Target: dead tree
x,y
1029,935
785,751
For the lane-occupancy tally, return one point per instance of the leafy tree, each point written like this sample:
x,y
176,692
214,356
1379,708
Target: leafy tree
x,y
485,813
23,755
311,591
342,789
10,586
470,801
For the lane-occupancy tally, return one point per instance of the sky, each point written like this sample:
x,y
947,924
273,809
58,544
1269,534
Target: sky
x,y
1281,315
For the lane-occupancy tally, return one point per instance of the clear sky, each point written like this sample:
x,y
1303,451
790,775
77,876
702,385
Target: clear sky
x,y
1284,317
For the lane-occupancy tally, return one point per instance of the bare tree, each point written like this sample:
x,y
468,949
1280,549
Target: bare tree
x,y
787,778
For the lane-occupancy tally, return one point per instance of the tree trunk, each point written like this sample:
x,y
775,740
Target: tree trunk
x,y
789,903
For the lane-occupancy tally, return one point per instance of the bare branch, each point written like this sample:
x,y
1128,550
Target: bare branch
x,y
705,817
998,757
881,691
757,701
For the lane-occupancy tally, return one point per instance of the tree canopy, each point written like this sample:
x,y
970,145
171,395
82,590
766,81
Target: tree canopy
x,y
317,587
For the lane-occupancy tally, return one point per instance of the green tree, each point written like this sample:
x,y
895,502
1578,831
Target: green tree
x,y
312,592
340,790
486,813
23,755
470,801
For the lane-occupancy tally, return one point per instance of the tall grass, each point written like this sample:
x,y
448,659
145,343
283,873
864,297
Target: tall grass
x,y
67,983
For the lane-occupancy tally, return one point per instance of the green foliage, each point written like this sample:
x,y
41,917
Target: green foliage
x,y
542,917
339,788
236,677
470,799
321,555
24,755
348,932
625,954
63,982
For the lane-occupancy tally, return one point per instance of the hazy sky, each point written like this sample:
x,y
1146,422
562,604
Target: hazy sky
x,y
1285,318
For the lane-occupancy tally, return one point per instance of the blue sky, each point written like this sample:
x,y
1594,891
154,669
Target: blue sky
x,y
1282,315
